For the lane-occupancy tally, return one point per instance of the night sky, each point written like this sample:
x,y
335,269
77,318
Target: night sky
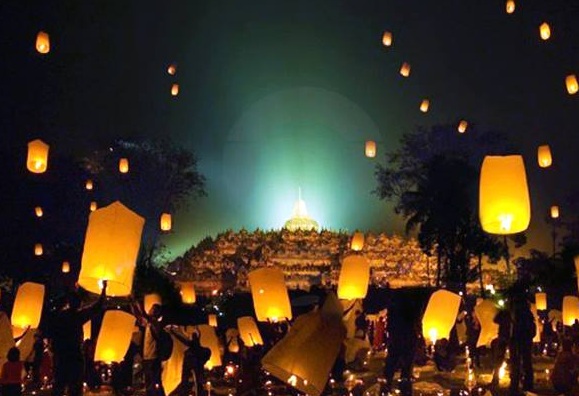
x,y
276,95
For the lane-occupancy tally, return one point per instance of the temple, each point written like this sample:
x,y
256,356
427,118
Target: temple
x,y
300,219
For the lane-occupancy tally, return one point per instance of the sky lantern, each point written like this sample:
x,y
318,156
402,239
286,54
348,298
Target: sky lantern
x,y
387,39
42,43
248,331
424,105
165,222
570,310
87,330
510,6
541,301
175,90
172,69
440,315
504,204
354,278
572,84
173,367
208,339
545,31
150,300
462,126
89,185
38,211
37,160
357,243
554,212
124,165
405,70
544,156
111,247
370,149
27,308
188,293
65,267
538,324
485,313
212,320
270,297
38,249
93,206
114,336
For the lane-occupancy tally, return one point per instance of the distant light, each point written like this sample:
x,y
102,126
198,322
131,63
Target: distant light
x,y
89,185
387,39
424,105
175,90
544,157
370,149
405,69
42,43
501,302
172,69
38,211
554,212
571,83
462,126
545,31
510,6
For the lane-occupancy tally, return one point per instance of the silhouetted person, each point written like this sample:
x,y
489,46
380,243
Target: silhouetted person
x,y
444,356
566,369
521,343
472,334
194,361
499,345
67,340
11,377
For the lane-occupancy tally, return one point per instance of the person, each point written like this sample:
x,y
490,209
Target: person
x,y
566,369
67,339
194,361
521,342
500,343
444,357
12,370
361,324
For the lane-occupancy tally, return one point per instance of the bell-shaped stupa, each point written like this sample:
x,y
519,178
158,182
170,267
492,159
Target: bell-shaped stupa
x,y
300,219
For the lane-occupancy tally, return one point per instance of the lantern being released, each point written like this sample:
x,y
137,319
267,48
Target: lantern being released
x,y
405,70
37,160
208,339
354,278
370,149
510,6
541,301
544,156
504,204
270,297
357,243
165,222
124,165
572,84
440,315
485,313
111,246
462,125
188,293
150,300
114,336
28,304
554,212
424,105
42,43
387,39
248,331
570,310
545,31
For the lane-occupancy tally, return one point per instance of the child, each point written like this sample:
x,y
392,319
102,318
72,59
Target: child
x,y
11,378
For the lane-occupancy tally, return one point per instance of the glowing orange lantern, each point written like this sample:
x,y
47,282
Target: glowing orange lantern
x,y
150,300
270,296
572,84
544,156
570,310
248,331
65,267
424,105
208,339
504,204
554,212
93,206
42,43
124,165
38,249
440,315
38,211
188,293
172,69
545,31
114,336
175,89
387,39
212,320
370,149
485,313
462,125
27,308
111,246
88,185
357,243
354,278
87,330
37,161
166,222
541,301
510,6
405,69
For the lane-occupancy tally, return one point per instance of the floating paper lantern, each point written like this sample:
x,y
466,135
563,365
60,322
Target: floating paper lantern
x,y
65,267
370,149
150,300
357,241
544,156
173,368
42,43
545,31
387,39
541,301
208,339
93,206
38,249
424,105
172,69
440,315
38,211
37,160
354,278
248,331
554,212
572,84
510,6
114,336
175,89
486,312
270,297
504,204
89,185
87,330
570,310
212,320
111,247
124,165
405,69
462,125
27,308
188,293
165,222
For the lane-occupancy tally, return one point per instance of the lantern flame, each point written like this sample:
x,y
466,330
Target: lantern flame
x,y
433,335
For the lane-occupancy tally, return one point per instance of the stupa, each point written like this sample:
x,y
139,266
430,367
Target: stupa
x,y
300,219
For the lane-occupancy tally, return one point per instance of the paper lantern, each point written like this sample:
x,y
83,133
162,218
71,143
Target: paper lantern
x,y
424,105
111,247
570,310
42,43
173,367
165,222
387,39
305,356
486,312
38,211
124,165
541,301
89,185
208,339
150,300
27,308
370,149
538,324
37,160
440,315
93,206
188,293
554,212
38,249
175,89
270,296
545,31
462,125
354,278
212,320
504,204
555,317
248,331
572,84
171,70
357,241
87,330
510,6
405,69
114,336
65,267
544,156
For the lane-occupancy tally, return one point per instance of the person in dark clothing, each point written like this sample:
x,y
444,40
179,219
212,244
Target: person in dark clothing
x,y
444,356
67,339
194,361
361,325
38,350
521,343
472,334
499,345
11,376
566,369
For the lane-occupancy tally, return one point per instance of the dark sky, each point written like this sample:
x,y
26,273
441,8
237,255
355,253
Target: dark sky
x,y
277,95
